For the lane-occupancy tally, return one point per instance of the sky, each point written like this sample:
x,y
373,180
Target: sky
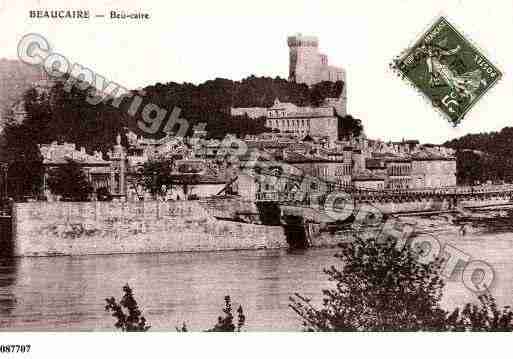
x,y
194,41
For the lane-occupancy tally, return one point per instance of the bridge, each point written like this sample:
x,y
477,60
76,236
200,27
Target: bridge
x,y
304,207
305,214
451,194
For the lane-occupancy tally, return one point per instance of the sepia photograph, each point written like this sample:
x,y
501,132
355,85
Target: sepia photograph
x,y
258,168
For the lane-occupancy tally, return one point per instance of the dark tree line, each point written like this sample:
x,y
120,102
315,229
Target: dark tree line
x,y
54,115
210,101
15,78
349,126
484,156
59,115
66,116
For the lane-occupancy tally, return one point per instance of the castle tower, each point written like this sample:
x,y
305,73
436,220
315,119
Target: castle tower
x,y
304,59
308,66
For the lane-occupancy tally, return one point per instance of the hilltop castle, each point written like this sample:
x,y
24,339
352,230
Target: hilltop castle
x,y
307,65
310,67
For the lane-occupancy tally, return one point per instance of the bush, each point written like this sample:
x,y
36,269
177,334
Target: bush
x,y
380,288
225,324
70,182
129,317
485,317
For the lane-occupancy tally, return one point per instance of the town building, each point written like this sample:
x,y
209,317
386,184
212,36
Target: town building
x,y
306,65
98,171
207,169
430,170
302,121
368,181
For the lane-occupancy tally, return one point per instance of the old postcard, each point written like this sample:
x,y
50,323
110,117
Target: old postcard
x,y
236,166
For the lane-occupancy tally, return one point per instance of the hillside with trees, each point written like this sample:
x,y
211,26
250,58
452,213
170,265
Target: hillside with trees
x,y
15,79
66,116
210,101
484,157
59,115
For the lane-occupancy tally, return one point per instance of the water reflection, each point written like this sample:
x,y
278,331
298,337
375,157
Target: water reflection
x,y
8,269
67,293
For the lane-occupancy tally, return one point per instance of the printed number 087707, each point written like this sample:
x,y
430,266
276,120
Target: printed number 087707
x,y
14,348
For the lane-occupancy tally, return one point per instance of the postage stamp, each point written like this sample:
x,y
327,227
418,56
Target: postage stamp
x,y
450,71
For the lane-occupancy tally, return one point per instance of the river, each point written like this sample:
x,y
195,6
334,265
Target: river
x,y
67,293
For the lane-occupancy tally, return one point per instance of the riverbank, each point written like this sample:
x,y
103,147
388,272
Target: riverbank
x,y
88,228
462,224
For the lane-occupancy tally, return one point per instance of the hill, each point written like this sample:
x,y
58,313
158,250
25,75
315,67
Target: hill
x,y
15,78
67,116
484,156
210,101
58,115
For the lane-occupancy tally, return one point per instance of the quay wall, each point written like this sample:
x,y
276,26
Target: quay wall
x,y
435,204
429,205
494,201
84,228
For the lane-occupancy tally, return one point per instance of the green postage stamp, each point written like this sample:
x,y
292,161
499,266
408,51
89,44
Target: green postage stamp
x,y
448,70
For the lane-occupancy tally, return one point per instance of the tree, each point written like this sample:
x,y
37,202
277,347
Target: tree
x,y
70,182
381,288
129,316
20,149
225,324
187,176
484,156
349,126
156,174
485,317
378,289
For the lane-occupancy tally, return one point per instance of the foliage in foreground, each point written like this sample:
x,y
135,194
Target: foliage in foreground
x,y
485,317
127,313
226,324
380,288
129,317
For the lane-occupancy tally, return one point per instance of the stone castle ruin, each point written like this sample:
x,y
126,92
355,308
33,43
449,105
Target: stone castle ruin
x,y
307,65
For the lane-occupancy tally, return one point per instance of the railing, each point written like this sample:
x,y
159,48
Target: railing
x,y
268,196
431,190
277,196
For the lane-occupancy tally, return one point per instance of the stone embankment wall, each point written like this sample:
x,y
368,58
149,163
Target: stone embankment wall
x,y
412,206
436,205
493,201
81,228
232,208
